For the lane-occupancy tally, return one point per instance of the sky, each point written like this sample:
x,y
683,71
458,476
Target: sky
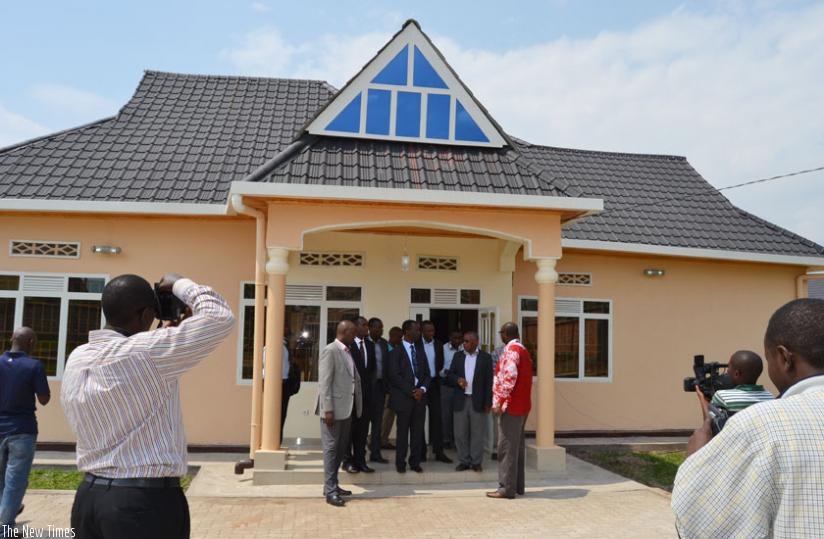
x,y
736,86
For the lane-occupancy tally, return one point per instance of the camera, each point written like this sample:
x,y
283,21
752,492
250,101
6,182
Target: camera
x,y
709,377
170,307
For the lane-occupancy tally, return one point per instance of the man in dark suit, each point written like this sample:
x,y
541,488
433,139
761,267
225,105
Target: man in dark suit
x,y
434,356
363,354
408,380
379,389
470,378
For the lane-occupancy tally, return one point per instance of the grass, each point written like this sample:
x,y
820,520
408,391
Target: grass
x,y
652,468
60,479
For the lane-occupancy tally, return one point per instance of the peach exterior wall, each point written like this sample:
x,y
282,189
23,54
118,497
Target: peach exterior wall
x,y
214,251
659,324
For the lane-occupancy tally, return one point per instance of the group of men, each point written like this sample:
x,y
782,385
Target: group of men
x,y
363,379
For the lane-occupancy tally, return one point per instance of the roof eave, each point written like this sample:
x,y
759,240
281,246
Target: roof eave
x,y
24,205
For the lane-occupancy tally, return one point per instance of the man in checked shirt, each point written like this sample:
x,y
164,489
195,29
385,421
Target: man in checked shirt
x,y
121,397
762,475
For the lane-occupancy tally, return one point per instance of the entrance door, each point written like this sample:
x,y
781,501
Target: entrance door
x,y
488,328
446,320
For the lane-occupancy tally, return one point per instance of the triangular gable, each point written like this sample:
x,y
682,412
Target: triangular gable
x,y
408,93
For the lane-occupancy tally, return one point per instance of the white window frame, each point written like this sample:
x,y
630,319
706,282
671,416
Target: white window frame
x,y
64,295
323,303
582,316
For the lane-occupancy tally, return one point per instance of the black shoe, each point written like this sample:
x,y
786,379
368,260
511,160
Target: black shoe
x,y
400,469
521,492
379,459
477,467
416,469
335,499
387,445
461,467
351,468
366,469
443,458
343,492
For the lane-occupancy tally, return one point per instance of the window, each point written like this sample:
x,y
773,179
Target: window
x,y
583,336
311,315
60,309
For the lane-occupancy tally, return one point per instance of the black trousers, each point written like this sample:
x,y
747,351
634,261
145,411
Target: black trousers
x,y
376,417
433,399
100,512
410,432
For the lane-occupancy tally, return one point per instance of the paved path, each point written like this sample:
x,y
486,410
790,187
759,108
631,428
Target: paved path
x,y
586,502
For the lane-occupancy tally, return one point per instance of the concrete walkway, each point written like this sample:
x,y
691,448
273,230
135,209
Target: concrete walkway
x,y
584,502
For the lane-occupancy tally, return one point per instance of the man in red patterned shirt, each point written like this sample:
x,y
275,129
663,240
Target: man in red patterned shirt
x,y
511,402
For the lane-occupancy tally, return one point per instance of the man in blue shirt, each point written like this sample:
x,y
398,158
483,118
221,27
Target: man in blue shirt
x,y
21,378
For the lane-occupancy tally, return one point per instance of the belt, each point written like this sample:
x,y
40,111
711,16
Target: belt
x,y
134,482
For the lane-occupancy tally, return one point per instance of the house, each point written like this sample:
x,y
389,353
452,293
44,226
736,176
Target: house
x,y
398,196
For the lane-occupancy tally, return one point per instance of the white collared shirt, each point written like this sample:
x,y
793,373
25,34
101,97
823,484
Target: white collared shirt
x,y
429,348
469,370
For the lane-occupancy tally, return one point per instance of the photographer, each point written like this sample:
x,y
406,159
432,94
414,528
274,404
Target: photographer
x,y
121,397
744,369
761,476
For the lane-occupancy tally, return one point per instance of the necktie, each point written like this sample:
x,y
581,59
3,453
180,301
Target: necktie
x,y
362,353
414,361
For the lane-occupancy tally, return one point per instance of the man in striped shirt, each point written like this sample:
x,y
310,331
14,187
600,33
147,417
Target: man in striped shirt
x,y
744,368
762,475
121,396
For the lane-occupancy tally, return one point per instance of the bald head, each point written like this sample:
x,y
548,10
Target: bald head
x,y
23,339
509,331
125,300
345,332
745,367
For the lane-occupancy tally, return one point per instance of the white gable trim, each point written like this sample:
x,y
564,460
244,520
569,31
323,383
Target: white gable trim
x,y
690,252
102,206
415,196
412,37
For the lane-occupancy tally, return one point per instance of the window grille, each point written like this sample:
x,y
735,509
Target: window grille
x,y
443,263
331,259
48,249
575,279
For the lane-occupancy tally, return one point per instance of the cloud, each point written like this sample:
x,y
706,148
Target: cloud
x,y
260,7
15,128
737,90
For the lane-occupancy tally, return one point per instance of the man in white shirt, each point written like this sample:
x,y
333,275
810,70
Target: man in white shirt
x,y
449,350
761,476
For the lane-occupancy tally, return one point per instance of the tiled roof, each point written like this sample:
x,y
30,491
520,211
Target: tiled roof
x,y
364,163
660,200
181,138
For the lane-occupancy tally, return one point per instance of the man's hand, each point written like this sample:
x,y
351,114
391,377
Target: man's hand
x,y
496,410
329,418
703,434
703,402
486,409
417,394
462,383
167,282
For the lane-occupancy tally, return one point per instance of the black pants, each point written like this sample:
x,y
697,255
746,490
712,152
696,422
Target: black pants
x,y
376,418
100,512
410,435
433,398
284,408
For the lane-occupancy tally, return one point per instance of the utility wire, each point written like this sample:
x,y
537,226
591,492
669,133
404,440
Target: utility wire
x,y
710,193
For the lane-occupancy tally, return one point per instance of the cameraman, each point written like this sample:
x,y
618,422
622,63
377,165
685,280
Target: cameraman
x,y
121,397
761,476
744,368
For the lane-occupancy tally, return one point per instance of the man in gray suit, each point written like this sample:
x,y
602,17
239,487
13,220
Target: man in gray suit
x,y
339,397
470,374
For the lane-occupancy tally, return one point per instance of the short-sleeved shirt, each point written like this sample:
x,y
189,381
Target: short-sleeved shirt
x,y
21,377
741,397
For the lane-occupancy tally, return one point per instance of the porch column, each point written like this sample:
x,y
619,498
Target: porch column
x,y
270,457
544,454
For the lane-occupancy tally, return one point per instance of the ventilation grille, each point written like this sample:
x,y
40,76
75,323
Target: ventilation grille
x,y
47,249
43,283
568,306
442,263
575,279
444,296
304,292
330,259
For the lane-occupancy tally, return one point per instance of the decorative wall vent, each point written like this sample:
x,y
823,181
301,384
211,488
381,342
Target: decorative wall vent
x,y
443,263
304,292
575,279
48,249
445,296
330,259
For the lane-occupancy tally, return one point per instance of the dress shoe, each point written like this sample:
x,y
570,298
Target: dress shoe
x,y
379,459
387,445
343,492
443,458
477,467
461,467
497,494
351,468
416,469
335,499
520,492
400,469
366,469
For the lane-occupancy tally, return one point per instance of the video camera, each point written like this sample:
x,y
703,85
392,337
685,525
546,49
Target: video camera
x,y
170,307
709,378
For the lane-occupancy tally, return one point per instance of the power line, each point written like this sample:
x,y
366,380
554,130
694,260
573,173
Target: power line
x,y
664,200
